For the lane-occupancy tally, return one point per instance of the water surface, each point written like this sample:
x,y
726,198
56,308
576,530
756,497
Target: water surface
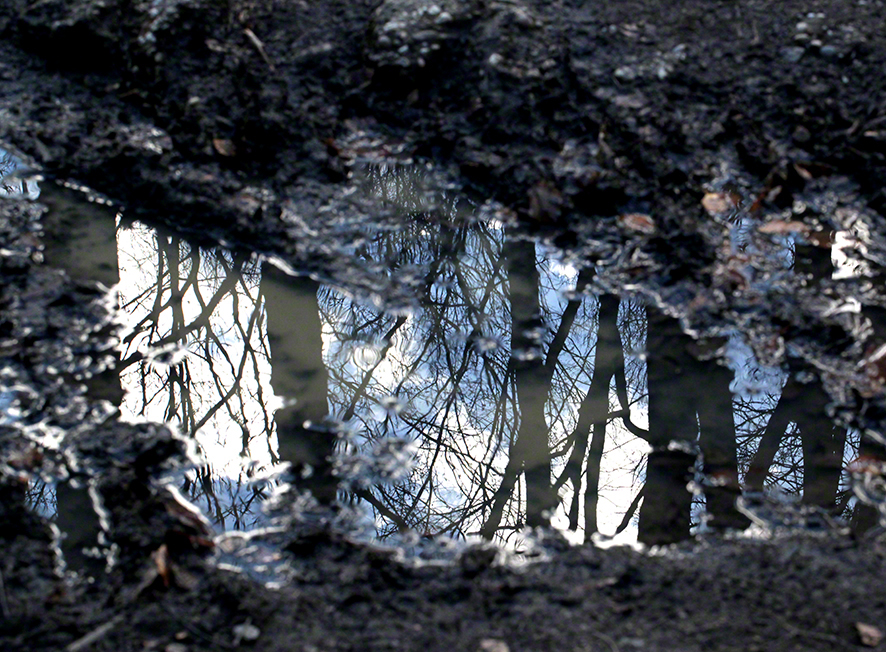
x,y
510,386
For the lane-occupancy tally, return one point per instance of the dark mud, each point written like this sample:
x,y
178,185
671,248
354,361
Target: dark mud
x,y
616,131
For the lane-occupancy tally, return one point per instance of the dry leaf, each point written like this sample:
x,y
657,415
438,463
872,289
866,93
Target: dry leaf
x,y
782,227
26,460
867,465
187,515
224,147
874,364
637,222
717,203
805,174
161,561
809,170
869,635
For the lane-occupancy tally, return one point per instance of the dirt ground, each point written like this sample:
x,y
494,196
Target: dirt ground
x,y
212,116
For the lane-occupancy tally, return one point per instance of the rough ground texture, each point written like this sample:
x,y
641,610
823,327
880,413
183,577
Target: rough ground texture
x,y
215,116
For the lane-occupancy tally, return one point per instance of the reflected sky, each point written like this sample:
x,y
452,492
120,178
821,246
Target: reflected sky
x,y
510,392
424,404
13,183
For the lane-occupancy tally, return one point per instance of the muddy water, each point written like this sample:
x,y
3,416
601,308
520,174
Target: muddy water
x,y
511,390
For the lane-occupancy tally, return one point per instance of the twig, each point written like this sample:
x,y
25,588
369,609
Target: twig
x,y
258,45
94,635
630,513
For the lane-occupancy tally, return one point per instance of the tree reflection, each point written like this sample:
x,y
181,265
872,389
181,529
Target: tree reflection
x,y
799,432
197,355
82,241
11,184
509,395
298,375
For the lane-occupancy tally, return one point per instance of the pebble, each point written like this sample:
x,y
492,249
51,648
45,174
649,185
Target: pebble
x,y
493,645
246,632
792,54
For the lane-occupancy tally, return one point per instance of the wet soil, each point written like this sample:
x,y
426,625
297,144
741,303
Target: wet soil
x,y
618,119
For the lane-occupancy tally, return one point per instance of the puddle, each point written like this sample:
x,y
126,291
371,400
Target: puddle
x,y
16,179
515,386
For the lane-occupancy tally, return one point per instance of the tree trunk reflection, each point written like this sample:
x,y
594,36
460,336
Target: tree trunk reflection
x,y
299,375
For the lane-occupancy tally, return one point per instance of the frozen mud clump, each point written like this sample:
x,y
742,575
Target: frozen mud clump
x,y
405,33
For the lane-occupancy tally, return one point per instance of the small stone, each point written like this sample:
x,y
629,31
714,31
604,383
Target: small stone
x,y
717,203
869,635
493,645
637,222
176,647
224,147
246,632
792,54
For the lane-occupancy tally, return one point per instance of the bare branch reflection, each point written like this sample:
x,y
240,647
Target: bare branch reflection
x,y
509,395
197,355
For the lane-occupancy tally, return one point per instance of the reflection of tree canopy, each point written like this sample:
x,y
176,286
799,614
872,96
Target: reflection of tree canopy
x,y
196,357
445,366
8,164
444,378
508,382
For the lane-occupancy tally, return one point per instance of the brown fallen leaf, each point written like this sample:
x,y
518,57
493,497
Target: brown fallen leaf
x,y
224,147
161,561
875,355
27,459
867,465
804,173
869,635
809,170
637,222
783,227
195,525
717,203
168,571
